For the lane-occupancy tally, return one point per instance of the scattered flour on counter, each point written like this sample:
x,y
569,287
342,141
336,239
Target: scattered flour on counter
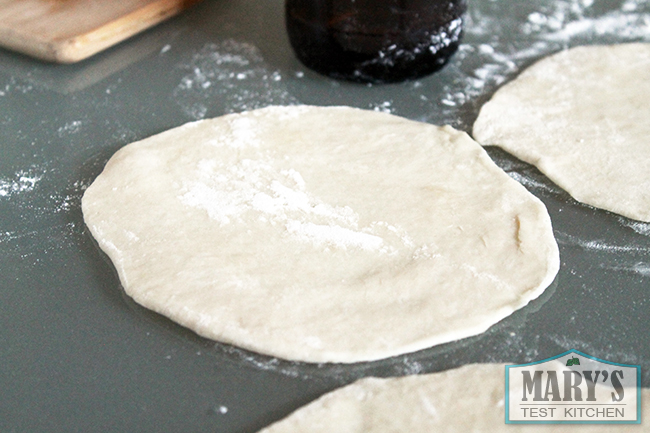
x,y
69,128
264,363
564,20
409,366
595,245
550,26
482,69
23,181
234,73
522,172
384,107
14,85
606,352
70,199
37,226
533,183
639,268
341,373
639,227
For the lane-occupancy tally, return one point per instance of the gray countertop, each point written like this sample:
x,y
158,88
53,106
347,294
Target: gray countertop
x,y
76,354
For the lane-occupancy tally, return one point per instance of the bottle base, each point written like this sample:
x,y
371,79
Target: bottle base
x,y
397,62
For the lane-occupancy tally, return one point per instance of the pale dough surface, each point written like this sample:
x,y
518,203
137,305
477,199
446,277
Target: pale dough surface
x,y
321,234
581,116
467,399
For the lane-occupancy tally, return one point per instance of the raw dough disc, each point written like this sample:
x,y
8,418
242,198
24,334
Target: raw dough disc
x,y
582,117
467,399
321,234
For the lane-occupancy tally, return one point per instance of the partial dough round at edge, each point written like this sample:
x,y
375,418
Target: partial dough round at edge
x,y
470,398
581,116
321,234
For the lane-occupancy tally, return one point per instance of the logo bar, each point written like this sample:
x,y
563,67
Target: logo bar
x,y
573,388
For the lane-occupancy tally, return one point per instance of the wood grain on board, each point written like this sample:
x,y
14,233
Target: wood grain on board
x,y
66,31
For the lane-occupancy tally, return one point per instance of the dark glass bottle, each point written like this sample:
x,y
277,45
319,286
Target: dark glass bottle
x,y
374,41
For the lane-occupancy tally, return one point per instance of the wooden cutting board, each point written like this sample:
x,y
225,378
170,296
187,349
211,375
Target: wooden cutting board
x,y
66,31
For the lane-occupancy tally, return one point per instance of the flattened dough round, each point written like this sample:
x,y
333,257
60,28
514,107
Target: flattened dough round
x,y
321,234
582,117
467,399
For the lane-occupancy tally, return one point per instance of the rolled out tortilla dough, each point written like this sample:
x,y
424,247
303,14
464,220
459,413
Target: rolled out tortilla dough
x,y
582,117
467,399
321,234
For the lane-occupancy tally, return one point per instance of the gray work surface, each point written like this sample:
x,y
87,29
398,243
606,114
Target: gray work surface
x,y
77,355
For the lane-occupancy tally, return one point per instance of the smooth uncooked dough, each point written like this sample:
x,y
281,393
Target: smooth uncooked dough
x,y
466,399
582,117
321,234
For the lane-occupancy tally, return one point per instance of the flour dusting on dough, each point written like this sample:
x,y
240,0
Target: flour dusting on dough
x,y
337,235
227,198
